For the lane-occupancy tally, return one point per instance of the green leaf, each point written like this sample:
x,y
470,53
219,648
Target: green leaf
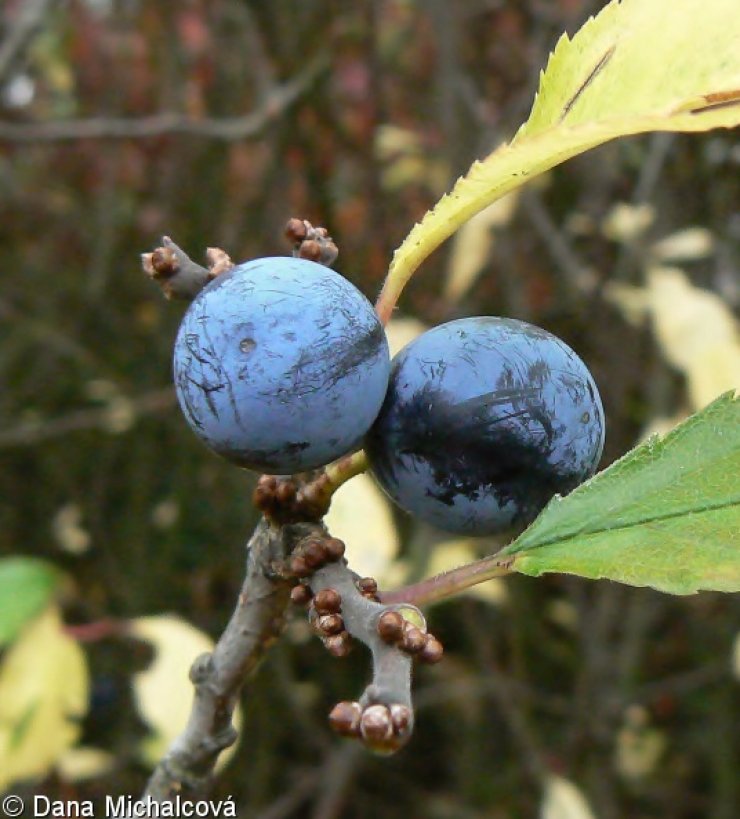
x,y
638,66
666,515
26,585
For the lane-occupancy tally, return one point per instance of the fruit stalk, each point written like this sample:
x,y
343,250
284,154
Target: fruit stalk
x,y
452,582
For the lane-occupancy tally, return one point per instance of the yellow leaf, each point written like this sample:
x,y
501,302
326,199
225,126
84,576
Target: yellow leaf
x,y
638,66
361,516
163,691
82,763
688,244
406,161
563,800
43,696
473,244
639,745
697,332
626,222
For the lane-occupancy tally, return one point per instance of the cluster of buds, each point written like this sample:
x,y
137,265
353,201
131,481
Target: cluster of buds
x,y
275,497
282,499
312,553
395,629
177,274
312,243
325,616
381,728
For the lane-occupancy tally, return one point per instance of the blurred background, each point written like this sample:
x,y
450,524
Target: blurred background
x,y
213,123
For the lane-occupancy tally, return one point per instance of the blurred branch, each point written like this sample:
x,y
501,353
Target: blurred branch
x,y
219,676
578,277
225,128
30,17
36,432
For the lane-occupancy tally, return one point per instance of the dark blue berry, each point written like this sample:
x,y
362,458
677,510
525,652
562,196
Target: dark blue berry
x,y
281,365
484,421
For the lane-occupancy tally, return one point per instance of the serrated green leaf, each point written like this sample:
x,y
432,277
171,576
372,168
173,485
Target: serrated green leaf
x,y
26,585
638,66
666,515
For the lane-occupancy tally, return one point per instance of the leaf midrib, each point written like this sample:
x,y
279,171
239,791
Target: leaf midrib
x,y
626,526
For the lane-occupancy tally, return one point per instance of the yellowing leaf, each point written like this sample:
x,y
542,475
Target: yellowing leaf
x,y
406,161
473,244
68,531
43,696
638,66
163,691
685,245
563,800
639,745
82,763
626,222
361,516
697,332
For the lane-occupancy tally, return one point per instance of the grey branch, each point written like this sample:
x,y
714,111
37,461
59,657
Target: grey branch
x,y
170,122
218,677
30,18
383,718
117,416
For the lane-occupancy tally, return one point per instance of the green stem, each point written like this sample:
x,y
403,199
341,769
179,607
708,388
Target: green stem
x,y
452,582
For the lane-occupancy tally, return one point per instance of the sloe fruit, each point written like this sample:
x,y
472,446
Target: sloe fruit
x,y
281,365
484,421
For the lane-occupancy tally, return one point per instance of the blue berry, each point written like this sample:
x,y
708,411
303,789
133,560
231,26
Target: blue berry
x,y
484,421
281,365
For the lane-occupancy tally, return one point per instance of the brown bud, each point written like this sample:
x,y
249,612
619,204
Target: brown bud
x,y
263,498
339,645
327,601
433,650
314,553
264,492
367,585
299,567
219,261
376,726
311,250
300,595
330,624
295,230
414,640
334,548
329,253
311,501
401,718
344,718
285,492
390,626
164,262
